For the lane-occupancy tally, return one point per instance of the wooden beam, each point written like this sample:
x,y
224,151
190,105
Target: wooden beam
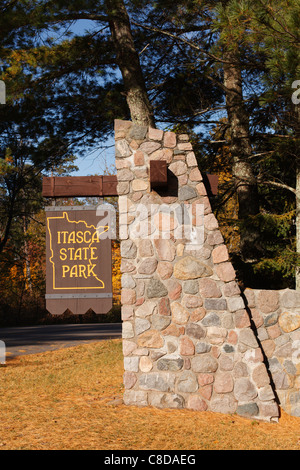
x,y
106,185
79,186
211,182
158,173
109,185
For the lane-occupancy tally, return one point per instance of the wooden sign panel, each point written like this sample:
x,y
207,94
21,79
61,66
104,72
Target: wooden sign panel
x,y
78,253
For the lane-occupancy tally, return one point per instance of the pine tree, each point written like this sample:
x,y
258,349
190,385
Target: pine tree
x,y
141,111
275,27
242,54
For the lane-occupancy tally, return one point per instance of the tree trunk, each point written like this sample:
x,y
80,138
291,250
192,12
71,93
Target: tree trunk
x,y
129,63
298,224
297,132
27,259
244,179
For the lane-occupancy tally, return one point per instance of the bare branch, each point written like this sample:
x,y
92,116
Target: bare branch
x,y
184,40
279,185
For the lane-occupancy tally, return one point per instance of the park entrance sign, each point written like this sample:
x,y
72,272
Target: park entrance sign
x,y
78,253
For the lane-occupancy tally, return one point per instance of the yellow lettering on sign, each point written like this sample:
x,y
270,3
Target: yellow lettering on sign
x,y
77,254
93,248
95,238
73,271
85,251
72,237
79,237
61,237
78,270
65,269
82,268
74,253
90,270
63,254
86,235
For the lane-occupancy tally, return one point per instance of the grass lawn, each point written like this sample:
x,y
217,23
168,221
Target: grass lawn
x,y
70,399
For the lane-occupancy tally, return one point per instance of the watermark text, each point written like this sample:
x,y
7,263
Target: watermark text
x,y
2,352
2,92
296,94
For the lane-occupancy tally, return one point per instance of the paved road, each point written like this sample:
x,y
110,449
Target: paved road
x,y
35,339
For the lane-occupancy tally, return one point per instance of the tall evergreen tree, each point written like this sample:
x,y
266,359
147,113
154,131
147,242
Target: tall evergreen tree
x,y
127,58
275,31
243,60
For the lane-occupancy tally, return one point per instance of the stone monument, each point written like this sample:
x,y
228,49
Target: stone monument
x,y
187,336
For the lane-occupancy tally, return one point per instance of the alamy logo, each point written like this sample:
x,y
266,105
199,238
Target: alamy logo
x,y
2,352
153,221
296,94
2,92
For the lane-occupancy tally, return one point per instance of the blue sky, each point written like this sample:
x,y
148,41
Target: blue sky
x,y
97,161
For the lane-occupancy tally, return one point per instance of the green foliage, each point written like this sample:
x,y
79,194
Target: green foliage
x,y
277,236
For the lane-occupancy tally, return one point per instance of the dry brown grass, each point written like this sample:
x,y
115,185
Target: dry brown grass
x,y
68,399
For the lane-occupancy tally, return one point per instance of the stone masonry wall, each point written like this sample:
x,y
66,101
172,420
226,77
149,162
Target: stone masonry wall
x,y
276,316
187,336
